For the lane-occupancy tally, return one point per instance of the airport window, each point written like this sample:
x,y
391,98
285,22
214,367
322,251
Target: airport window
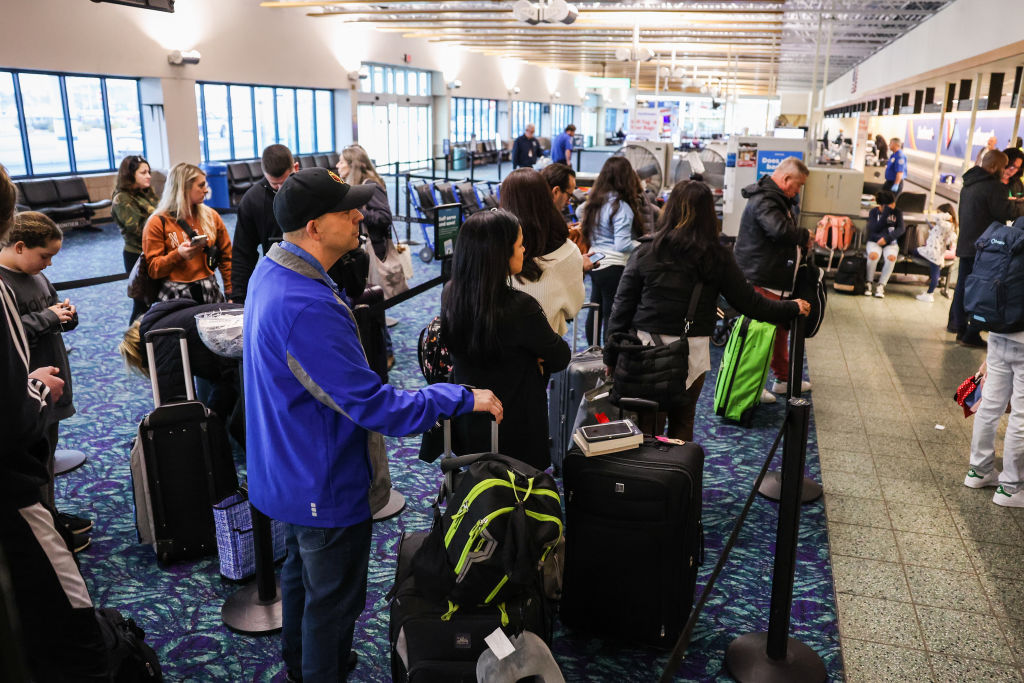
x,y
561,116
239,121
394,80
472,116
524,113
67,123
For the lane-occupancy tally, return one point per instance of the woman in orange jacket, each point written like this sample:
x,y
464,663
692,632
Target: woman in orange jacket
x,y
185,241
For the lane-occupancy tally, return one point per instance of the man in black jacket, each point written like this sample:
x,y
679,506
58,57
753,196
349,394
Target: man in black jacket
x,y
526,149
767,247
983,200
60,634
256,226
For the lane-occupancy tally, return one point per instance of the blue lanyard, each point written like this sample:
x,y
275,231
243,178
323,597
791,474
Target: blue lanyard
x,y
308,258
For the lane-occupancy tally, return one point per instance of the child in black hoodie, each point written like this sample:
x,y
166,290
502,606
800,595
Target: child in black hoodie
x,y
885,227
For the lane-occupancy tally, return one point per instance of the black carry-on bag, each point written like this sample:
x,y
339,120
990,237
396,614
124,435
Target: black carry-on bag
x,y
633,539
584,372
181,466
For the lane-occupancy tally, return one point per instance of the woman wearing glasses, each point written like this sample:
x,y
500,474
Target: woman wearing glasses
x,y
134,202
185,241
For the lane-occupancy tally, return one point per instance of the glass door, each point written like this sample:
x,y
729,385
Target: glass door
x,y
396,133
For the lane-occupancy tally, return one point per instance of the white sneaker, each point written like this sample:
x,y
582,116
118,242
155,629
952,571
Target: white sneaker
x,y
879,291
783,387
980,481
926,297
1009,500
867,289
767,396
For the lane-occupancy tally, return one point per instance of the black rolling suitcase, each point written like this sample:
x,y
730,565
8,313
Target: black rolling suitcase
x,y
633,539
429,645
181,465
583,373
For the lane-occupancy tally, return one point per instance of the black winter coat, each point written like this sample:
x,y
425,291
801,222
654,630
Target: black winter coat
x,y
983,201
377,220
766,244
654,295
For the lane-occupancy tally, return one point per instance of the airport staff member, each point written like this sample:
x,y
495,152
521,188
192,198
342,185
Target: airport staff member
x,y
526,149
313,406
561,146
895,167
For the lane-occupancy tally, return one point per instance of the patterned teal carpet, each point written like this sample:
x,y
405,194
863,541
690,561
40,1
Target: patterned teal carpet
x,y
180,607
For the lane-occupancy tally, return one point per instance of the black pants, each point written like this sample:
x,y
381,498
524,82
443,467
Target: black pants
x,y
60,637
604,281
957,315
138,305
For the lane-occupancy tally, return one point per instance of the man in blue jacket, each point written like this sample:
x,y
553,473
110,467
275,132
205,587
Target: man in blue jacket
x,y
315,413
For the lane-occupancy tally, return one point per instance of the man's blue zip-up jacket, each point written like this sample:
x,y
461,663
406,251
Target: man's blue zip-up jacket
x,y
311,400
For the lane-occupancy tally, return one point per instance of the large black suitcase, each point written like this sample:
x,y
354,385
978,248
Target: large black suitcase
x,y
430,646
633,540
181,465
583,373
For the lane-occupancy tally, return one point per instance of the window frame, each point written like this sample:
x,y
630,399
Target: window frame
x,y
26,147
204,151
464,116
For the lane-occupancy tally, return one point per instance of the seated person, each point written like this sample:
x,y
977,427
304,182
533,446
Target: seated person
x,y
941,239
220,373
885,227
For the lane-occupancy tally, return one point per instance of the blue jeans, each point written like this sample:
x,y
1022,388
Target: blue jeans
x,y
323,591
934,270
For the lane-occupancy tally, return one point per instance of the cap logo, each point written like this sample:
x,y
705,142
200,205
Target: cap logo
x,y
336,178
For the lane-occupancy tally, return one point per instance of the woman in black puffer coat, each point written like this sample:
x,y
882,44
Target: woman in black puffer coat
x,y
655,289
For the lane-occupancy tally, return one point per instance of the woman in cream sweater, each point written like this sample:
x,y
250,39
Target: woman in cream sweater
x,y
553,265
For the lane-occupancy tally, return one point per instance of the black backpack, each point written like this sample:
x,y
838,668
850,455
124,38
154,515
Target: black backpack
x,y
129,658
502,519
810,286
435,361
851,277
994,291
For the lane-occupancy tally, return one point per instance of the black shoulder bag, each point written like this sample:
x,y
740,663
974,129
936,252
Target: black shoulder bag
x,y
657,373
212,251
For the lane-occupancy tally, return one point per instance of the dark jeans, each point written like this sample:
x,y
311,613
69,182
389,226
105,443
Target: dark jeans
x,y
323,591
604,281
957,316
934,271
138,305
680,419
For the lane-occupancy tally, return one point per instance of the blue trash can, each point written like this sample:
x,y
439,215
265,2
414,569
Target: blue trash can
x,y
217,179
460,159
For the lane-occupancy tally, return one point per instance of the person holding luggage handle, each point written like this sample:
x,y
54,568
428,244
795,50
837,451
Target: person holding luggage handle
x,y
315,412
685,250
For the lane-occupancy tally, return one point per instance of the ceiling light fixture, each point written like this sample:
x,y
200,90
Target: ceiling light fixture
x,y
545,12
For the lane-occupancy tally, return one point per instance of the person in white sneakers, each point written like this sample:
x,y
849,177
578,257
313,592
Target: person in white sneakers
x,y
885,227
1003,366
941,238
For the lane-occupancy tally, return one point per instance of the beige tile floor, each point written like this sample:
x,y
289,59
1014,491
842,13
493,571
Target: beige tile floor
x,y
929,575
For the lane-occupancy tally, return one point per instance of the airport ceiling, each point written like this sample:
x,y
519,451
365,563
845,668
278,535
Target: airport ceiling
x,y
749,46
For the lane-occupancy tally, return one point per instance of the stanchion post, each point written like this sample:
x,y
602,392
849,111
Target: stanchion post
x,y
408,204
773,656
263,545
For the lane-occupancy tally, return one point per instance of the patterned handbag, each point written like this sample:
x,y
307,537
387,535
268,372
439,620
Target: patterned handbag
x,y
968,394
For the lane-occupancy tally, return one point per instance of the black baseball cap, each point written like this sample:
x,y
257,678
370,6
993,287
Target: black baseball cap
x,y
312,192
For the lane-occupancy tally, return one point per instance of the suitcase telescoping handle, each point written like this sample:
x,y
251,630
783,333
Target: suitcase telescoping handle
x,y
450,463
596,308
640,405
178,332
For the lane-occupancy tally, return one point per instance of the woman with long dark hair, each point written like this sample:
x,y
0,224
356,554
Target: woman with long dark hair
x,y
654,295
552,264
133,203
612,221
499,338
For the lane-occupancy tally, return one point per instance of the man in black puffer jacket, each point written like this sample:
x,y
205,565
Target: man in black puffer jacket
x,y
983,200
766,249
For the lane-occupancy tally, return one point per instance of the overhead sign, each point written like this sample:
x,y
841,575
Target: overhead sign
x,y
601,82
769,160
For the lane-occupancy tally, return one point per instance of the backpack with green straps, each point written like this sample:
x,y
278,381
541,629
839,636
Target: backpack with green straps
x,y
501,520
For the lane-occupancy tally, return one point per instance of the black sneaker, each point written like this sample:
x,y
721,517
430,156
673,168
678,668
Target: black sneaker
x,y
73,523
79,542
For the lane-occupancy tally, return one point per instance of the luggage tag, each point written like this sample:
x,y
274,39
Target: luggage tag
x,y
665,439
499,643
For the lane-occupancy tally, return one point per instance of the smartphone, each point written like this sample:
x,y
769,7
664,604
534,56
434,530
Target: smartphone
x,y
596,256
608,430
199,240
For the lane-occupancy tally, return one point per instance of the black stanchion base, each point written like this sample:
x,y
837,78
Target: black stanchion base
x,y
746,659
244,612
396,503
771,488
65,461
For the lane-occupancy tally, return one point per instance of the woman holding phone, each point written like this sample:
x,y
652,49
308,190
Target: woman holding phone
x,y
185,241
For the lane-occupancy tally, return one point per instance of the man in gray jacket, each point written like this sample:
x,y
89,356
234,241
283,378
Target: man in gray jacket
x,y
767,250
